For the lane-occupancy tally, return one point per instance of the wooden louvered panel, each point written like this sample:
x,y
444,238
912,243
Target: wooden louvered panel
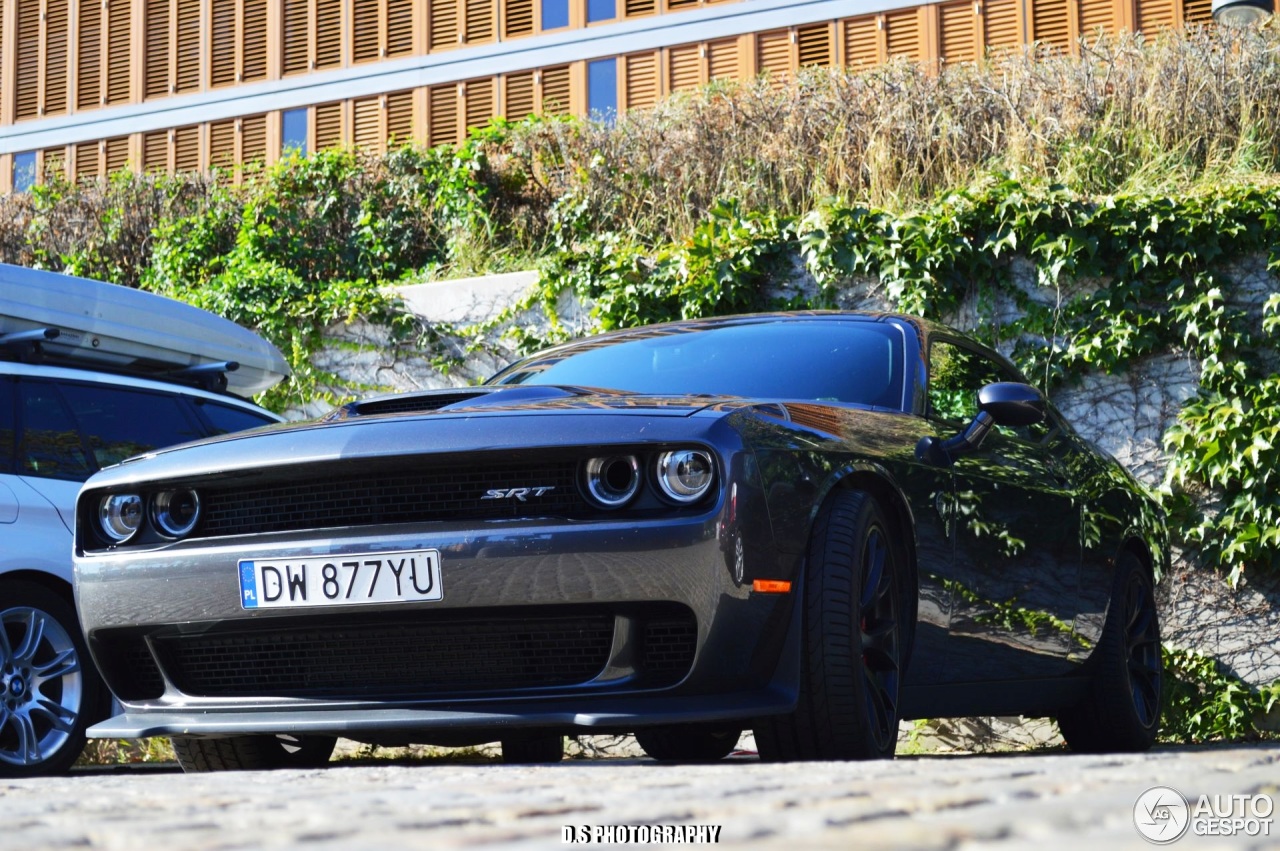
x,y
222,144
684,67
480,21
1000,25
254,63
88,161
57,40
119,37
813,45
480,106
89,59
442,118
399,27
519,96
55,163
297,13
902,34
28,73
517,18
635,8
773,55
187,66
861,42
399,118
366,116
724,60
157,49
957,32
117,154
253,139
672,5
328,33
186,149
155,151
1049,23
1097,16
443,29
3,7
641,84
555,91
222,43
1151,16
1194,11
328,126
364,29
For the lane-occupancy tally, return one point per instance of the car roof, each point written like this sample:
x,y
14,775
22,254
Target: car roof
x,y
125,380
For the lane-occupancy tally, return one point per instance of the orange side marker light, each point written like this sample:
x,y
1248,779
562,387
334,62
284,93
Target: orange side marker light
x,y
771,586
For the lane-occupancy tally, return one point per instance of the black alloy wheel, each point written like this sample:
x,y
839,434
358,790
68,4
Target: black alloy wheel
x,y
854,635
688,742
533,748
253,753
1122,710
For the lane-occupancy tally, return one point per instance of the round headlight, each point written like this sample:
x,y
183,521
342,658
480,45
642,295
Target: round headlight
x,y
613,480
120,515
176,512
685,475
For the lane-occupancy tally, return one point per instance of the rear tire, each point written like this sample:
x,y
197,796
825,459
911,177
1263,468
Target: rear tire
x,y
853,641
688,742
533,749
253,753
1122,710
50,691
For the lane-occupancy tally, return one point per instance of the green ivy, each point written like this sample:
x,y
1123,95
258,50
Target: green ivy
x,y
1204,703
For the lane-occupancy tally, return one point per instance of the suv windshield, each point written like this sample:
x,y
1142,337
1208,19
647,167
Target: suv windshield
x,y
830,361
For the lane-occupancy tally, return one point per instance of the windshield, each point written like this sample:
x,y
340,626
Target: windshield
x,y
812,360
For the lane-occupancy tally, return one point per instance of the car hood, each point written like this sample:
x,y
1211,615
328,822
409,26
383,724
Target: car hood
x,y
463,420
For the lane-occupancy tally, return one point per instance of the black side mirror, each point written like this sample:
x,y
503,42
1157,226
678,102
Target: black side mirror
x,y
1006,403
1012,404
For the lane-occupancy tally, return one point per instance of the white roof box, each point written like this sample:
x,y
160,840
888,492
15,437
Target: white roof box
x,y
106,326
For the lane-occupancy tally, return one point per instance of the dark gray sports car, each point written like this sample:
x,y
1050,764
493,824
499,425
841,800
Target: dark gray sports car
x,y
811,525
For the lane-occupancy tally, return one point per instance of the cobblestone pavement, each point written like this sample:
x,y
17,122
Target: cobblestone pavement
x,y
1045,799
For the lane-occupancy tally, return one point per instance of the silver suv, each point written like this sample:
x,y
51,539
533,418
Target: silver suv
x,y
59,424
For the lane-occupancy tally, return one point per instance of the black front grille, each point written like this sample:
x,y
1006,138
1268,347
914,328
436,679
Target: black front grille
x,y
365,497
411,403
402,657
387,660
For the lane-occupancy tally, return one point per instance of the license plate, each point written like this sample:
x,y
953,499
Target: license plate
x,y
403,577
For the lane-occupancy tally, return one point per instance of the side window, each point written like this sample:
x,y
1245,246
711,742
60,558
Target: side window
x,y
225,419
8,428
956,374
51,445
120,423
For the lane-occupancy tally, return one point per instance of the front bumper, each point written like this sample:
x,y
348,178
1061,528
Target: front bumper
x,y
138,606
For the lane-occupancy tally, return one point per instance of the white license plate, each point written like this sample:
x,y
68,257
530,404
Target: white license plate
x,y
276,583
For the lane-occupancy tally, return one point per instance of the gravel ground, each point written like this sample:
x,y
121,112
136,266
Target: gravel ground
x,y
1045,799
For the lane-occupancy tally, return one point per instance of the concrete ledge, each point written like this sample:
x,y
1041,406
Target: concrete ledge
x,y
466,300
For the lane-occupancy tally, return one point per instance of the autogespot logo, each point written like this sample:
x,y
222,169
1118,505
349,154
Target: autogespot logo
x,y
1161,815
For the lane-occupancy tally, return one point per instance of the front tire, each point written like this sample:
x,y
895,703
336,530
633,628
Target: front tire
x,y
688,742
50,691
533,749
853,641
1122,710
253,753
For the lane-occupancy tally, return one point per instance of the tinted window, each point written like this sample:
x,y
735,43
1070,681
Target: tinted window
x,y
51,445
294,130
225,418
601,10
119,424
8,433
555,14
838,361
602,88
956,374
